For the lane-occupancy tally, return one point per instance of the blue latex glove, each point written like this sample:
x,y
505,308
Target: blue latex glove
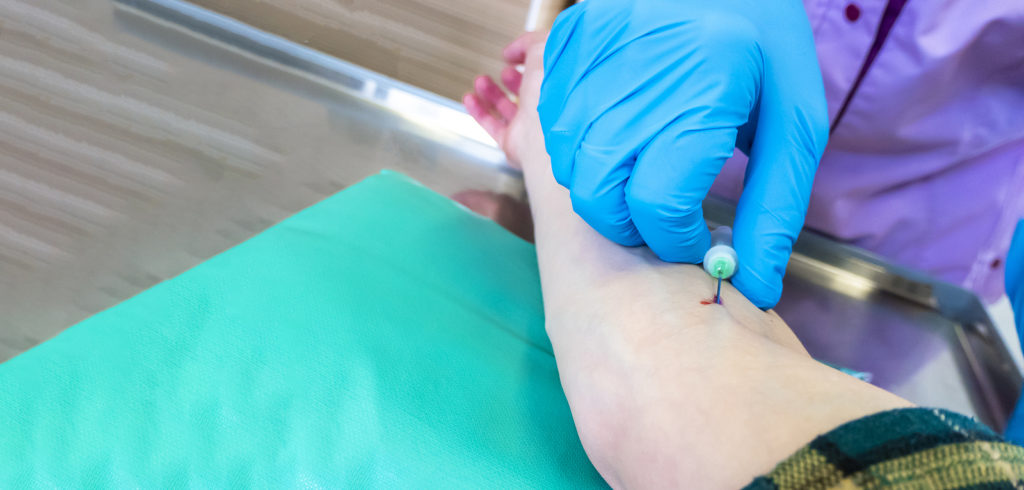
x,y
644,100
1015,291
1015,277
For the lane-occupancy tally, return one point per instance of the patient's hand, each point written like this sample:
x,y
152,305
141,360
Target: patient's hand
x,y
666,388
516,132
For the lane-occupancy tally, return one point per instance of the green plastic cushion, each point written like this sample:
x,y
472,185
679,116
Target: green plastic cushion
x,y
385,337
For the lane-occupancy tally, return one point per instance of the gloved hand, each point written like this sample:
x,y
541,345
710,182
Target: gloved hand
x,y
1015,291
1015,278
644,100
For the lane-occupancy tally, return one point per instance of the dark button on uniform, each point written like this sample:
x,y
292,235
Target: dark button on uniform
x,y
852,12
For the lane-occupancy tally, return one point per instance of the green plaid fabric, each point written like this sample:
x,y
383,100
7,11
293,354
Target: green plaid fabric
x,y
910,448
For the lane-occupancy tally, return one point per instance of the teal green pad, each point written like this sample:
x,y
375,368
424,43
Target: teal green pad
x,y
384,337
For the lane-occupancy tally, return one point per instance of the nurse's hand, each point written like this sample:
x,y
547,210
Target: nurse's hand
x,y
643,101
1015,277
1015,291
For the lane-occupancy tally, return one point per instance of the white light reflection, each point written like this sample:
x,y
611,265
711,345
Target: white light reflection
x,y
433,116
834,278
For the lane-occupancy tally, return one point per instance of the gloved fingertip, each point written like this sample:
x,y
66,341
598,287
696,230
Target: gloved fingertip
x,y
677,255
627,236
674,245
763,293
607,215
674,231
631,240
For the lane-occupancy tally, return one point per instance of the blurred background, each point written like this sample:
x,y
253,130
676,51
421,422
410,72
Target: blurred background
x,y
438,45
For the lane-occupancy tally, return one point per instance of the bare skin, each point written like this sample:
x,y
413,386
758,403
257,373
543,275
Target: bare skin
x,y
667,390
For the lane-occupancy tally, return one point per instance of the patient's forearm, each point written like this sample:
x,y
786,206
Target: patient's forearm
x,y
667,390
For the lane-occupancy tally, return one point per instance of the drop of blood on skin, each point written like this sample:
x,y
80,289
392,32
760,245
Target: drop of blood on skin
x,y
706,302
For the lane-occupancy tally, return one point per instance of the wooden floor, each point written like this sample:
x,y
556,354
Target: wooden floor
x,y
131,150
439,45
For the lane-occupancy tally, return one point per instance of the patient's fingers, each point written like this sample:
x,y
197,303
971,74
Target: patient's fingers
x,y
515,52
482,113
512,79
492,94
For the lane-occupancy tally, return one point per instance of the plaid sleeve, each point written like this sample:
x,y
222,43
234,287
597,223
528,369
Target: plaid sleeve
x,y
905,448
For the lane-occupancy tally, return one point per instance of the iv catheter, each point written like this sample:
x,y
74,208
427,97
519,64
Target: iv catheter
x,y
720,260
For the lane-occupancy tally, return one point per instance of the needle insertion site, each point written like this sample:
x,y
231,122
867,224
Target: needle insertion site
x,y
720,261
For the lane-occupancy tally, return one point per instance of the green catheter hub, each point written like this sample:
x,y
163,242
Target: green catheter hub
x,y
720,261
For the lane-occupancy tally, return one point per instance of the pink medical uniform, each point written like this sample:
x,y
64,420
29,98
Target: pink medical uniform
x,y
925,162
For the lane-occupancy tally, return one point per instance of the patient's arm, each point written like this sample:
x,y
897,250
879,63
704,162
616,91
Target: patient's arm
x,y
666,390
